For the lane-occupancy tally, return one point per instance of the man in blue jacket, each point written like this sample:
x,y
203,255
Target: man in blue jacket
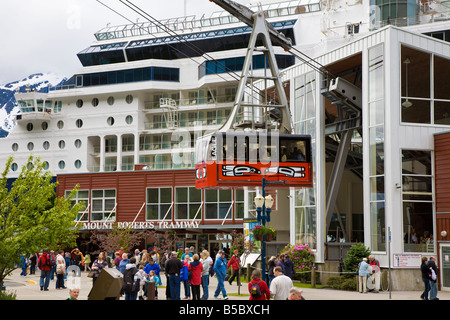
x,y
152,265
220,268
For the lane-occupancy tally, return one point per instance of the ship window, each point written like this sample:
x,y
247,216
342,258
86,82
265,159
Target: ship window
x,y
129,99
46,165
129,119
78,143
30,146
110,121
44,125
79,103
61,164
78,164
111,101
61,144
46,145
79,123
95,102
14,167
29,126
15,146
60,124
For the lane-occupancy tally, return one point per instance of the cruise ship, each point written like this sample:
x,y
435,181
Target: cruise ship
x,y
124,129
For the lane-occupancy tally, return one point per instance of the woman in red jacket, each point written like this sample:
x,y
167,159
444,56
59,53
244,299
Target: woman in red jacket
x,y
234,263
196,280
263,293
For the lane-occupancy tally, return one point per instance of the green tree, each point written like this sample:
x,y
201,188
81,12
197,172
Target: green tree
x,y
32,218
354,256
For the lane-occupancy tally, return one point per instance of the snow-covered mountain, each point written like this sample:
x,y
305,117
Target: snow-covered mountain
x,y
8,105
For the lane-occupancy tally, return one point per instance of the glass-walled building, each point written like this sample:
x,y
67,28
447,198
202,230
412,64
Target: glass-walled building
x,y
387,187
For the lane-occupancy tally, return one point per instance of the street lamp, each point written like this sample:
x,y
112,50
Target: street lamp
x,y
263,205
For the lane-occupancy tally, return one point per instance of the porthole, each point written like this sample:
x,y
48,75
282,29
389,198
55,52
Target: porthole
x,y
14,167
79,103
44,126
78,143
15,146
61,164
60,124
79,123
30,146
61,144
95,102
129,99
46,145
46,165
110,121
129,119
78,164
29,126
110,100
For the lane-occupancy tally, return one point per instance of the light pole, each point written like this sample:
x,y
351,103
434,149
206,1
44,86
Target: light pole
x,y
263,205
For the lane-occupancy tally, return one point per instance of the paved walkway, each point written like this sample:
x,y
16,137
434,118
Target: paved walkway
x,y
27,288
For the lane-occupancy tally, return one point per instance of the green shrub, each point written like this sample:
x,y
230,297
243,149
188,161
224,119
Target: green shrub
x,y
342,283
5,295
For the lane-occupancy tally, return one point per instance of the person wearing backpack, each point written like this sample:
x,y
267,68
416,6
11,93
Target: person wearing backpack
x,y
131,280
258,288
44,264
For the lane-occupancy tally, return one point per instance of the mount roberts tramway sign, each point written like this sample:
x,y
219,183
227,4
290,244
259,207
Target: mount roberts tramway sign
x,y
157,225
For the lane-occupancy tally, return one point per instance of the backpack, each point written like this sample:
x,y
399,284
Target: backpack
x,y
432,275
255,290
129,284
50,262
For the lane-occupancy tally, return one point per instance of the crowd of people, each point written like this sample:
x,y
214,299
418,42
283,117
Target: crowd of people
x,y
189,271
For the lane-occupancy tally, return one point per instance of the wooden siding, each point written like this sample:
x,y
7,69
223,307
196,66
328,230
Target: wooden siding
x,y
130,188
442,184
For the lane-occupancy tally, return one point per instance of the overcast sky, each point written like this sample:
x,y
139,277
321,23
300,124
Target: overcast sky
x,y
40,36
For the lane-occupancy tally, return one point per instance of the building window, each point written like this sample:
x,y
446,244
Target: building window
x,y
103,205
425,98
218,204
239,204
80,196
159,204
417,197
305,228
188,202
376,148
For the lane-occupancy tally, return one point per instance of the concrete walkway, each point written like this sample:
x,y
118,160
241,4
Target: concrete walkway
x,y
27,288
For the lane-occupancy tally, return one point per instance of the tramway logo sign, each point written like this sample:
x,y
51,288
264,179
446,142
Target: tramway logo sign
x,y
141,225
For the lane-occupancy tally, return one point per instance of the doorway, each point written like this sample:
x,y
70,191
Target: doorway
x,y
445,267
